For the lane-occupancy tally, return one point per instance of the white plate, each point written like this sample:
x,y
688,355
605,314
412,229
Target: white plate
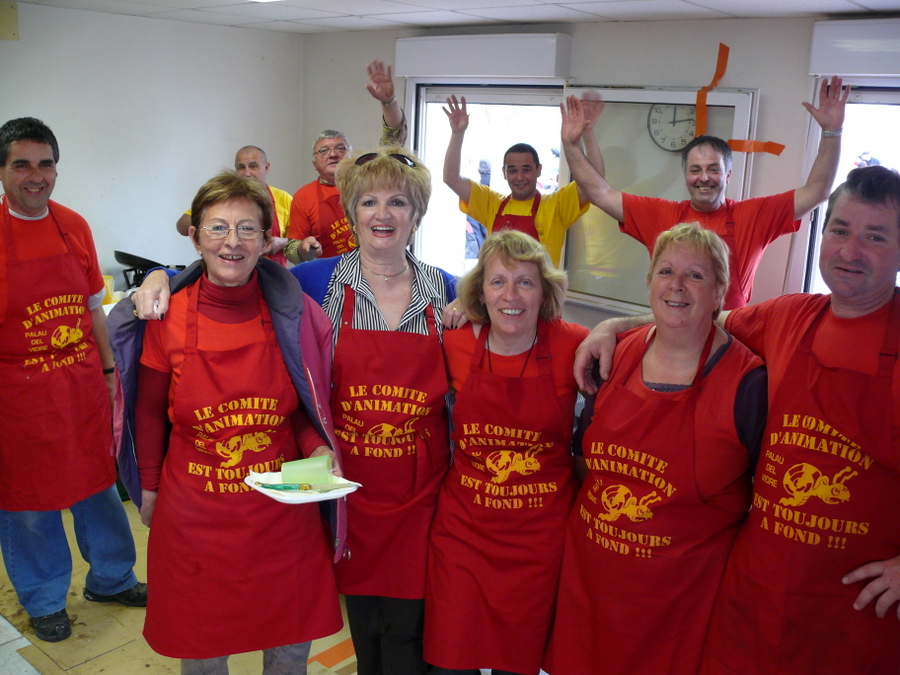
x,y
297,497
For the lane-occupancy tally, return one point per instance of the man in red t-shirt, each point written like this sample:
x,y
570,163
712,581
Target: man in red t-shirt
x,y
748,226
318,224
57,370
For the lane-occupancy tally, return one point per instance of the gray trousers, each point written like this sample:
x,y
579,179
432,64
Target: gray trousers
x,y
286,660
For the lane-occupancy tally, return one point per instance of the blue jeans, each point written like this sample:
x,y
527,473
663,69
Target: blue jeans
x,y
37,558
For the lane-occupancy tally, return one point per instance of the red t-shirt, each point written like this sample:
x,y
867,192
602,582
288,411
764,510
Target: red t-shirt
x,y
757,223
35,239
773,328
459,346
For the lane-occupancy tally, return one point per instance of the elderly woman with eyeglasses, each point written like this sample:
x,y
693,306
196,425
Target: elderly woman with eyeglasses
x,y
225,387
388,401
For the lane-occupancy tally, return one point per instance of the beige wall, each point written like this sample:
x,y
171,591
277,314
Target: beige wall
x,y
146,110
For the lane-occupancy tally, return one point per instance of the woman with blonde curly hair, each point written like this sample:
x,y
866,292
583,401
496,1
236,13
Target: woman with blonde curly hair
x,y
388,401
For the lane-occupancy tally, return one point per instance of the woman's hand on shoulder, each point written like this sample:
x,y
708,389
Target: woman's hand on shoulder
x,y
453,316
151,300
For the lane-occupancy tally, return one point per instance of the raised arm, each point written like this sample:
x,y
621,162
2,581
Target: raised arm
x,y
381,86
459,122
591,183
830,117
592,105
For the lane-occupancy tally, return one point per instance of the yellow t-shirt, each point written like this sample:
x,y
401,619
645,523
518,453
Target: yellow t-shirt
x,y
556,213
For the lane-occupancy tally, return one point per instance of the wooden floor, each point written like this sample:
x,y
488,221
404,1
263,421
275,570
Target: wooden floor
x,y
106,638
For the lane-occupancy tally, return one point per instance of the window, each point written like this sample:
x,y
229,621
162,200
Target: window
x,y
498,118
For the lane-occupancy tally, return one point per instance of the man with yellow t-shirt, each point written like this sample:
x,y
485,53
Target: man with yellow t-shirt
x,y
544,217
251,162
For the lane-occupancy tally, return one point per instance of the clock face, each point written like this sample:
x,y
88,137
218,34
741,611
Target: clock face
x,y
672,126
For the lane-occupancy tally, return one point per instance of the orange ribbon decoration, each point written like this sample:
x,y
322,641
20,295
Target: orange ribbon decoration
x,y
700,129
756,146
721,64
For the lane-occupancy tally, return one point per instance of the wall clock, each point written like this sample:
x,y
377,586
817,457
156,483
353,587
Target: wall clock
x,y
672,126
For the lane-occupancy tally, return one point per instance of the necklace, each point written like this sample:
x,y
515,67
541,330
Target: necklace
x,y
527,356
386,276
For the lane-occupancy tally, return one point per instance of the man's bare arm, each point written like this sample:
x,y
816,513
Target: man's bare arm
x,y
591,183
599,345
459,122
830,117
593,106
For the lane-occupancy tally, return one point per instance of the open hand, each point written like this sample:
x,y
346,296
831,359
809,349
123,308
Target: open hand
x,y
381,81
457,114
832,103
573,120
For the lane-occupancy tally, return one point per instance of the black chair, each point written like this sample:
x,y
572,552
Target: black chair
x,y
137,267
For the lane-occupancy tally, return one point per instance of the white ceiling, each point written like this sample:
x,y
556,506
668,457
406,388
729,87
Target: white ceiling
x,y
323,16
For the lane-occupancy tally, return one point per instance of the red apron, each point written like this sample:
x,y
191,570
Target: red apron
x,y
56,448
333,229
734,296
497,538
826,498
644,554
232,570
526,224
276,232
390,419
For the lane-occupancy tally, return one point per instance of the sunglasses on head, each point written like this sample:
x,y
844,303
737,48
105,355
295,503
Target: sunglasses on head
x,y
368,157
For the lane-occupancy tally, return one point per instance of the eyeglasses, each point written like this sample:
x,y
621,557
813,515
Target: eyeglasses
x,y
324,152
368,157
221,231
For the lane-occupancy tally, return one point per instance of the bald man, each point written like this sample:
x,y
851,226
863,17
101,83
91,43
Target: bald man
x,y
251,162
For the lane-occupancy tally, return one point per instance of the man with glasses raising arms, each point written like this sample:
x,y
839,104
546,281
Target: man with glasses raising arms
x,y
317,218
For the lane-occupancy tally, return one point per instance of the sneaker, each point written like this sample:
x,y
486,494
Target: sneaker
x,y
53,627
136,596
